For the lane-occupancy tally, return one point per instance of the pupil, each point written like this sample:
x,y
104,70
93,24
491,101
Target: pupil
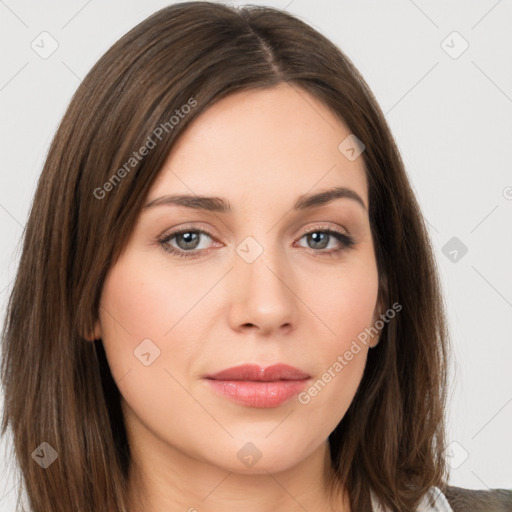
x,y
188,237
315,236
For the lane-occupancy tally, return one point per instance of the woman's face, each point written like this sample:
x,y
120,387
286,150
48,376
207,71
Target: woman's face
x,y
261,284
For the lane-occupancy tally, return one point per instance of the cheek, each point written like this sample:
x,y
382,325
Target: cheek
x,y
138,307
136,300
143,299
150,308
347,312
347,307
143,318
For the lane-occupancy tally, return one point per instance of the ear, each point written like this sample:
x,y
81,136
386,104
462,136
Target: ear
x,y
376,338
96,333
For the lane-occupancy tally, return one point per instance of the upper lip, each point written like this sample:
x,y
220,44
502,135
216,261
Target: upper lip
x,y
254,372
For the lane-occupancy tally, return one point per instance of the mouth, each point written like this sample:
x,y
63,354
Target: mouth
x,y
255,386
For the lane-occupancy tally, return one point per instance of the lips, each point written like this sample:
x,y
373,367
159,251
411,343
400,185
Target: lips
x,y
255,386
256,373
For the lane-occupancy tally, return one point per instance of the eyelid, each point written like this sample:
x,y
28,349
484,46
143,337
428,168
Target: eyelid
x,y
324,227
199,228
185,228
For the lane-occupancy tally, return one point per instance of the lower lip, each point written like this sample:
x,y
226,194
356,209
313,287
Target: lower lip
x,y
258,394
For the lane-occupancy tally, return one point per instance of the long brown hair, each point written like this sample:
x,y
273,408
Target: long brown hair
x,y
58,388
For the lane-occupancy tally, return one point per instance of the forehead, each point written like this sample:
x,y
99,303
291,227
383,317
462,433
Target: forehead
x,y
262,143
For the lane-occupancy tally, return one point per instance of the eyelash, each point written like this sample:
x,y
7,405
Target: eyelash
x,y
346,241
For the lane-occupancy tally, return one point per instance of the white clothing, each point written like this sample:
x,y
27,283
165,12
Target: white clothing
x,y
440,504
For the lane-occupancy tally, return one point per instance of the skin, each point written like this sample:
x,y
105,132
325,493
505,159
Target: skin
x,y
260,150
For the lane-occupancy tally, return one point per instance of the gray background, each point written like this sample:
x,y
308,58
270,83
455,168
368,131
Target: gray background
x,y
450,111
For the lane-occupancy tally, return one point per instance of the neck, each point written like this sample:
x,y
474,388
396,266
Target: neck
x,y
168,479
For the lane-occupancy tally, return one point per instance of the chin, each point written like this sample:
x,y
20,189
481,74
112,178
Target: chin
x,y
262,456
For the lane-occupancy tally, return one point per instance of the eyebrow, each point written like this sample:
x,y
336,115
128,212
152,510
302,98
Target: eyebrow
x,y
220,205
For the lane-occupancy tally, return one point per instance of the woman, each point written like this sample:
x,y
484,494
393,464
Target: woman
x,y
226,297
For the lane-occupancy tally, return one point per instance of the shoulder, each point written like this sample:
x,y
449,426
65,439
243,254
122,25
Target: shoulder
x,y
469,500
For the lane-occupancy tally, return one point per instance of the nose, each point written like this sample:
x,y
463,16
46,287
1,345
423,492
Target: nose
x,y
262,295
